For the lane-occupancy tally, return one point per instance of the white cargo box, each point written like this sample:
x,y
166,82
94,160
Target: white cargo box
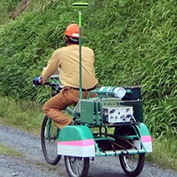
x,y
120,114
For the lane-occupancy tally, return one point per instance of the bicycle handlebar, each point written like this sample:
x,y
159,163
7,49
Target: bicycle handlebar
x,y
53,83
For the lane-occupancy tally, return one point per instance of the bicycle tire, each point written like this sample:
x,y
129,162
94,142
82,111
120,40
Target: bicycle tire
x,y
77,166
132,164
49,139
137,163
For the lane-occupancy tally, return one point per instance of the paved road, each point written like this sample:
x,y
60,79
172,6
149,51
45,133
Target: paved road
x,y
34,165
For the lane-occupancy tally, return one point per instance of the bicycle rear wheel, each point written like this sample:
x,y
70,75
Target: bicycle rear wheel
x,y
49,139
131,164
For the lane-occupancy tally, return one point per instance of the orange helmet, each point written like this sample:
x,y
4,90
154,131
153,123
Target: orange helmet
x,y
72,31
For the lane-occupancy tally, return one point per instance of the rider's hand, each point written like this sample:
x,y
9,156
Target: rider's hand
x,y
37,81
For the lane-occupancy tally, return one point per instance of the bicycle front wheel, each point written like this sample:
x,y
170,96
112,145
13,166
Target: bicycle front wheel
x,y
77,166
49,139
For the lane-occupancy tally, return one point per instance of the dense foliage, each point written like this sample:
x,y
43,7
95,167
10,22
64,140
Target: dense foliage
x,y
135,43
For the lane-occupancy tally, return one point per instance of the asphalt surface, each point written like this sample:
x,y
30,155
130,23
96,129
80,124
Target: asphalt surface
x,y
33,164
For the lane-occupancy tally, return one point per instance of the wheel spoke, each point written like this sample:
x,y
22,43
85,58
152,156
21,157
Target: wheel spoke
x,y
132,164
77,166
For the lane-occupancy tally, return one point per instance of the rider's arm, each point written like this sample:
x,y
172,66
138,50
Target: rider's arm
x,y
52,66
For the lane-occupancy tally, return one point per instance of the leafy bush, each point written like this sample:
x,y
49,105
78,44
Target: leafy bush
x,y
134,42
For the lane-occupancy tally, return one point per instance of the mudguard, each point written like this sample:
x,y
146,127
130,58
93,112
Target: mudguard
x,y
76,141
146,138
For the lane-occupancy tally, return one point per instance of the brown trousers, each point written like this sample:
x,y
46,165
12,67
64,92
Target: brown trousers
x,y
54,106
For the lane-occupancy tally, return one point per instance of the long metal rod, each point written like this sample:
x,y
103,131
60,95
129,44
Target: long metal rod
x,y
80,55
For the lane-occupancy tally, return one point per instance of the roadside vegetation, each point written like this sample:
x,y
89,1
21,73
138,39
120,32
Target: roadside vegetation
x,y
135,43
4,150
24,115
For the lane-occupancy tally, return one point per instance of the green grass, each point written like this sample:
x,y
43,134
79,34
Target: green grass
x,y
164,153
4,150
6,7
23,115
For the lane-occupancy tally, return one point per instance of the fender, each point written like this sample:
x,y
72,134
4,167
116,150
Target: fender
x,y
76,141
145,136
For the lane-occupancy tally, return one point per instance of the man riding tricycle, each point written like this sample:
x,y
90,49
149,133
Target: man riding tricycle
x,y
84,120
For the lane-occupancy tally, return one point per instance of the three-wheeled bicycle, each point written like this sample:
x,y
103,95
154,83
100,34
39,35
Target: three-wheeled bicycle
x,y
110,124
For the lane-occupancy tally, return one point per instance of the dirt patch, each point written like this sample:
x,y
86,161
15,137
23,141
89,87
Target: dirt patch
x,y
20,9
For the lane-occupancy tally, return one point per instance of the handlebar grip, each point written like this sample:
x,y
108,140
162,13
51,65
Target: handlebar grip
x,y
36,81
